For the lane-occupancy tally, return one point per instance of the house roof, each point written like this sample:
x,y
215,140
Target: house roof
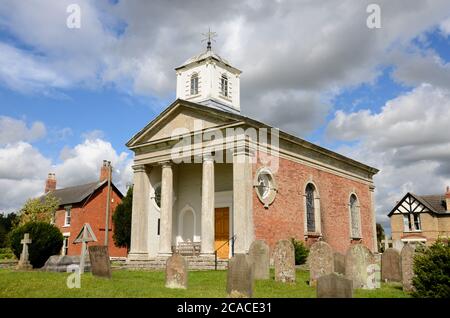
x,y
76,194
134,141
435,203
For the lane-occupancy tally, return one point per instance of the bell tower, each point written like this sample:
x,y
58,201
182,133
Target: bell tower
x,y
210,80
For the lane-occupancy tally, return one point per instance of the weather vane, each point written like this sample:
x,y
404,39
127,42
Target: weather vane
x,y
209,36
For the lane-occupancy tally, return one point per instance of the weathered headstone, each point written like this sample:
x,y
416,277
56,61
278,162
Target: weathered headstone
x,y
259,257
391,266
85,236
407,261
24,262
398,245
339,263
321,261
61,263
240,277
359,261
334,286
100,263
284,261
176,272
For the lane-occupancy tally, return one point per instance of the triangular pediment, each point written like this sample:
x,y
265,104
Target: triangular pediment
x,y
410,204
179,119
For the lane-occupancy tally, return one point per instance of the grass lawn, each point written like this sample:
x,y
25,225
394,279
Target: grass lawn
x,y
127,283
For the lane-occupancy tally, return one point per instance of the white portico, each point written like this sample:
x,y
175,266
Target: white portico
x,y
188,186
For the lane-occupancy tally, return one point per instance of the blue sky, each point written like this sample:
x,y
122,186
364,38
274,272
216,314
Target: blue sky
x,y
93,88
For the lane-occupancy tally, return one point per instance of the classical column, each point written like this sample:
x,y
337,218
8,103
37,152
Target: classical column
x,y
207,245
374,217
139,214
242,199
165,239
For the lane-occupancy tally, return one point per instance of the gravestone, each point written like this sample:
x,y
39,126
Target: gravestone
x,y
176,272
240,277
398,245
284,261
321,261
61,263
24,263
407,265
100,263
334,286
85,236
358,262
391,266
339,263
259,257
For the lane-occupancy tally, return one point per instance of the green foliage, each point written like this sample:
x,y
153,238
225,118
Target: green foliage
x,y
6,253
47,240
380,236
122,221
39,210
301,252
7,222
432,271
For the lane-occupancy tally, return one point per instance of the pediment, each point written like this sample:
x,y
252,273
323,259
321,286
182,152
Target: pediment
x,y
410,204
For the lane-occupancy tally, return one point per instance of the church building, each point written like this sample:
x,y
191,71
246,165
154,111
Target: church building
x,y
211,180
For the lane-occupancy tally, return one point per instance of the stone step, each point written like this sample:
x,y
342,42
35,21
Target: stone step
x,y
196,263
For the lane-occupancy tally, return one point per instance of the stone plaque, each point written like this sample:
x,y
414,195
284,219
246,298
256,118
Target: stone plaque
x,y
240,277
339,263
176,272
100,263
407,266
334,286
284,261
358,263
259,257
391,266
321,261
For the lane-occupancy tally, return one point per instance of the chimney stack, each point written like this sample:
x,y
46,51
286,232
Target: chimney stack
x,y
50,183
447,198
104,171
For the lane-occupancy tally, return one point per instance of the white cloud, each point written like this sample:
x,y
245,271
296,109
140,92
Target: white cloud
x,y
445,26
408,140
14,130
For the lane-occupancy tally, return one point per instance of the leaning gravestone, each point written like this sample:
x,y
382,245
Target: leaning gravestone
x,y
259,257
24,263
321,261
334,286
100,263
240,277
407,261
391,266
284,261
358,261
176,272
339,263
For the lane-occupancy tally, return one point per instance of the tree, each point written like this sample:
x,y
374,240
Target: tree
x,y
122,221
39,209
7,223
380,234
301,252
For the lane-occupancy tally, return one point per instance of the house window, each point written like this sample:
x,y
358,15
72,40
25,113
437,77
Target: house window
x,y
65,248
310,208
406,223
224,85
67,216
354,217
194,84
417,222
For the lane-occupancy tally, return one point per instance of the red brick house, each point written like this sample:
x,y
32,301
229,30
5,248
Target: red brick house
x,y
86,203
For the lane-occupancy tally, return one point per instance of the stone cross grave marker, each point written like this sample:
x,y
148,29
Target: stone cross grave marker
x,y
321,261
100,263
176,272
284,261
24,262
85,236
334,286
259,257
240,277
391,266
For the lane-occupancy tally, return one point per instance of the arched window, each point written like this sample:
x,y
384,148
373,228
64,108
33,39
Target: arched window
x,y
354,216
194,84
224,85
310,208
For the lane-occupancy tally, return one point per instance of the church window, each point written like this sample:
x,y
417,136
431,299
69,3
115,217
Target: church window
x,y
310,208
224,85
355,217
194,84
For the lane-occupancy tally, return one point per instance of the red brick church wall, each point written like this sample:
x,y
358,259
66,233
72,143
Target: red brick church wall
x,y
285,216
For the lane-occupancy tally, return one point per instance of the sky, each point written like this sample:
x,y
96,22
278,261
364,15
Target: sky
x,y
71,97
